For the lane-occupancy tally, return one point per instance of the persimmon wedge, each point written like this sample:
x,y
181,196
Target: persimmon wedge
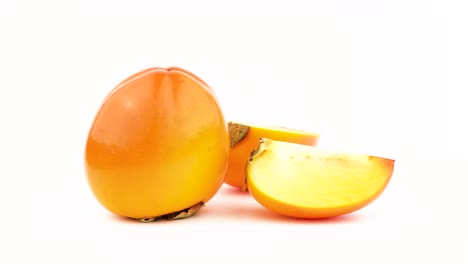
x,y
307,182
244,139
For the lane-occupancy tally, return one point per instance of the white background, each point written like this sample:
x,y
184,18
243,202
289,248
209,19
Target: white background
x,y
386,78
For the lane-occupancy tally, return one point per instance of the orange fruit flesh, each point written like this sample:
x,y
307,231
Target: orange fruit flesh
x,y
306,182
241,150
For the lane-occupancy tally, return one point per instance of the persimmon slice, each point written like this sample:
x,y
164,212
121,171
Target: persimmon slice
x,y
244,139
308,182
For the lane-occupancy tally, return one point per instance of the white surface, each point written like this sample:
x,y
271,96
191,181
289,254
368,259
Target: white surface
x,y
383,77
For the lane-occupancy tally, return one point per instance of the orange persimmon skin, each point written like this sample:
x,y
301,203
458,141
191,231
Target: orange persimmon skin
x,y
240,152
159,144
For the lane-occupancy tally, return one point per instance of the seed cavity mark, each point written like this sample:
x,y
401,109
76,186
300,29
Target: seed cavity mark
x,y
300,157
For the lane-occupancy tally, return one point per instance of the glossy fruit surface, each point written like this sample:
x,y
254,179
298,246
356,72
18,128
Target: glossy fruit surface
x,y
306,182
159,144
245,138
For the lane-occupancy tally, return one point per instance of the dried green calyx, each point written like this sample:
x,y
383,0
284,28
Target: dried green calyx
x,y
237,132
185,213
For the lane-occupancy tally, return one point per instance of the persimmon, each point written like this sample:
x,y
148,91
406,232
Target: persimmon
x,y
244,139
307,182
158,146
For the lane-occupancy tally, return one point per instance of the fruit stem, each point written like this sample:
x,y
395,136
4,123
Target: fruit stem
x,y
182,214
263,145
237,132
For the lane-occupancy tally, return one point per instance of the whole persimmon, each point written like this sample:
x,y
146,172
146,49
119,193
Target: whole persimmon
x,y
158,146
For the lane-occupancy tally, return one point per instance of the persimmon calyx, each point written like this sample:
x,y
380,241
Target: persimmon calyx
x,y
262,147
237,132
182,214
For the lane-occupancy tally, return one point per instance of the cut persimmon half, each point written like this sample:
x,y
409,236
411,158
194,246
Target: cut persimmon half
x,y
244,139
308,182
